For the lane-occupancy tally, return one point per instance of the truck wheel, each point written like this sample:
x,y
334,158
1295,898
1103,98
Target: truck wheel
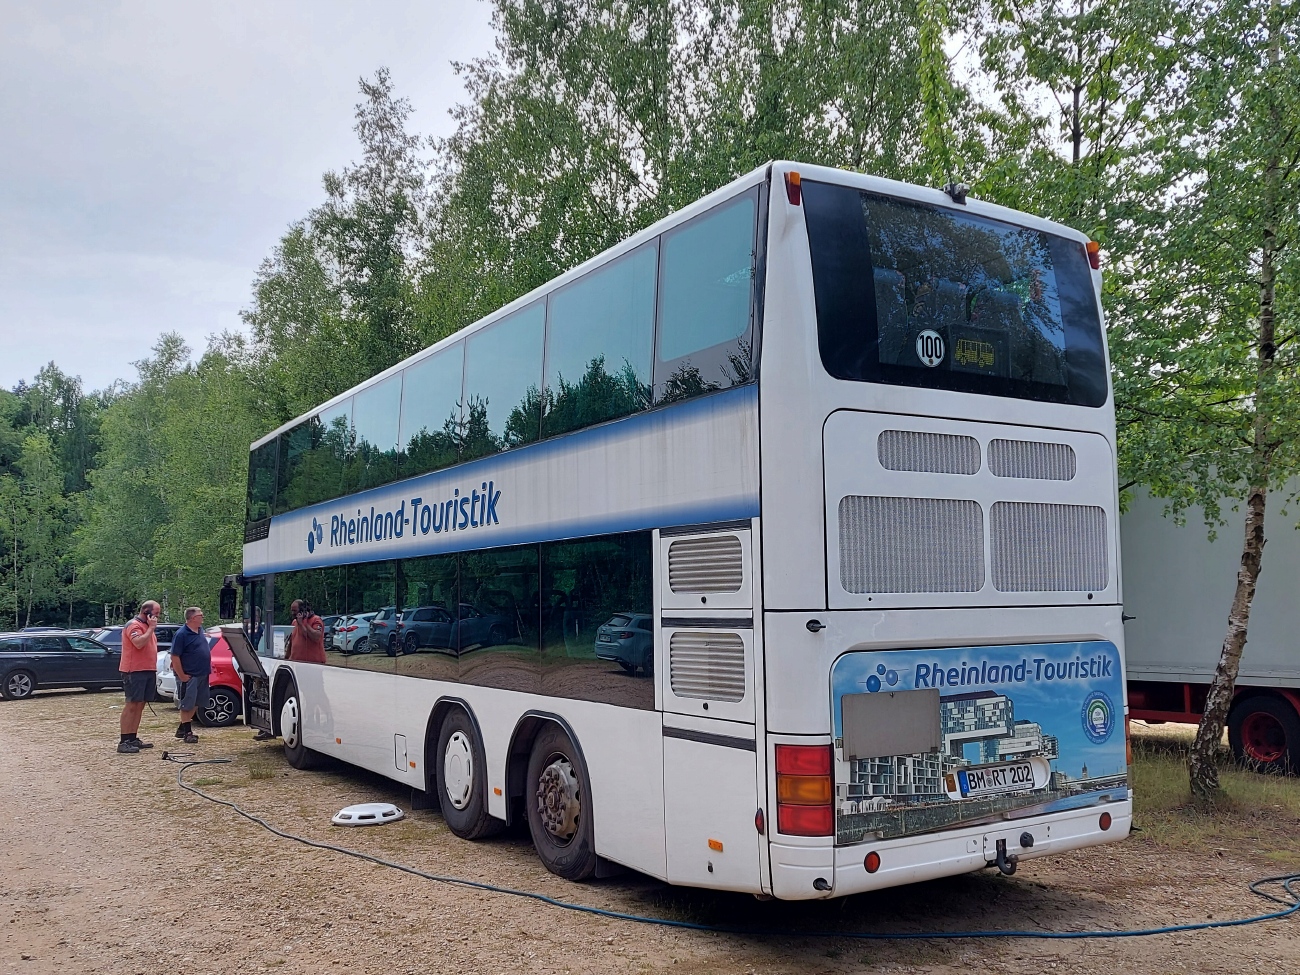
x,y
558,800
462,779
1264,734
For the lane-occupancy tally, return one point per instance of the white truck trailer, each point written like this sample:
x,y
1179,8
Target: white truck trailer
x,y
1178,587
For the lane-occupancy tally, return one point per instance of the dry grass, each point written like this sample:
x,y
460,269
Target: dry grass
x,y
1261,814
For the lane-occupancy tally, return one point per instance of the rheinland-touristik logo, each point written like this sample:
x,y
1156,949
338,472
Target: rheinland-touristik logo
x,y
1098,717
1028,670
476,508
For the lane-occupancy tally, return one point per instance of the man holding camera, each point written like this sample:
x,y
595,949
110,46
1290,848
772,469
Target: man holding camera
x,y
192,664
139,674
307,641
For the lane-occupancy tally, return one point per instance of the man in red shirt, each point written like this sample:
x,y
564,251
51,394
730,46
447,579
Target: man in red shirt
x,y
307,641
139,668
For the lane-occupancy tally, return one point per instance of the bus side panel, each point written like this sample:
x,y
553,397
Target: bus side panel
x,y
339,720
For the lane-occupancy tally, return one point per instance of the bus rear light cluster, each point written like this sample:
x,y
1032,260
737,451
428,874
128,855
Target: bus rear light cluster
x,y
804,790
1104,821
872,862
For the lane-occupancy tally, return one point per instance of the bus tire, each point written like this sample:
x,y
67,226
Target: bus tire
x,y
1264,734
462,779
295,752
558,800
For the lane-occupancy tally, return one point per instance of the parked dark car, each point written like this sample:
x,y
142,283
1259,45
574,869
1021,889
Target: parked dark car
x,y
425,626
383,630
111,636
36,661
476,628
628,640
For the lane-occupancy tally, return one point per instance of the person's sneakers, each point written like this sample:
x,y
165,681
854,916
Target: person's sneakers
x,y
128,748
141,744
191,739
181,733
263,736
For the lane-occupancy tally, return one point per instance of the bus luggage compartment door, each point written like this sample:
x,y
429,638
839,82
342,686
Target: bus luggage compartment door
x,y
710,799
257,685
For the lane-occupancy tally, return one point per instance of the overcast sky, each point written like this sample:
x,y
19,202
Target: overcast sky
x,y
152,153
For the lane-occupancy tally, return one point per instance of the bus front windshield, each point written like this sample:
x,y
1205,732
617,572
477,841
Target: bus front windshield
x,y
916,295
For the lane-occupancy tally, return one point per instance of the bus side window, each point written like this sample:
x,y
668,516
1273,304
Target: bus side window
x,y
503,379
706,290
599,344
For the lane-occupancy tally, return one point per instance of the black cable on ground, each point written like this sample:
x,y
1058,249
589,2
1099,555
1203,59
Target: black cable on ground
x,y
1287,882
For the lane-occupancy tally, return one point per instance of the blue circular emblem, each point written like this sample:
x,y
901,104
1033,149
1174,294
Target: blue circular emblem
x,y
891,678
311,541
873,683
1098,717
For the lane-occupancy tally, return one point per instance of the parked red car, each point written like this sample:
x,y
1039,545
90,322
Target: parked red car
x,y
226,701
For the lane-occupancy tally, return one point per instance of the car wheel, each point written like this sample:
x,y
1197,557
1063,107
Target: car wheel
x,y
18,685
412,643
558,799
295,752
224,708
462,779
361,646
496,636
1264,734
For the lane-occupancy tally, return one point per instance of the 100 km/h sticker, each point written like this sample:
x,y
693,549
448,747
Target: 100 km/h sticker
x,y
930,348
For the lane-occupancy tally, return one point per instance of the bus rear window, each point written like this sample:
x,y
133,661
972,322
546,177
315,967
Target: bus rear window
x,y
916,295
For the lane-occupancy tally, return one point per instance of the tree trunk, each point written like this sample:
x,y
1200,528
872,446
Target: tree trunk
x,y
1202,771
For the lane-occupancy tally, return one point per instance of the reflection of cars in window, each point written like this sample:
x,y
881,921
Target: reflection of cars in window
x,y
330,622
475,628
628,640
383,629
425,626
352,634
29,661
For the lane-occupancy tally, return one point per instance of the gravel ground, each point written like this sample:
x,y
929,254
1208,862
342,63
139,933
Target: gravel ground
x,y
108,866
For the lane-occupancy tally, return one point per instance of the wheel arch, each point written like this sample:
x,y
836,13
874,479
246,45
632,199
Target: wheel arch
x,y
441,708
284,679
526,730
1246,694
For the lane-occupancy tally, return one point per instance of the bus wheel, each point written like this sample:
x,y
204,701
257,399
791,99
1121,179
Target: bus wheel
x,y
559,806
1264,734
295,752
462,779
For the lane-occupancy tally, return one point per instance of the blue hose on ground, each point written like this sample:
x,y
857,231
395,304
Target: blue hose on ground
x,y
1287,882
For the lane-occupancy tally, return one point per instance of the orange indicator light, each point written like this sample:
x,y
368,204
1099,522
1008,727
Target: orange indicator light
x,y
715,845
793,191
1094,255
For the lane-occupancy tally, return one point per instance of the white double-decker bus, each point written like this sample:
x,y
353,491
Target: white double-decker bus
x,y
772,550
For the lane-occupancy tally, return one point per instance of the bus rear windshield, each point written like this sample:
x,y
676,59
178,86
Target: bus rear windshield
x,y
916,295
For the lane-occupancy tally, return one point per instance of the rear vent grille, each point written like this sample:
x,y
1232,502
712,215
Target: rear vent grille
x,y
1030,458
255,531
931,453
1048,547
910,545
709,665
711,564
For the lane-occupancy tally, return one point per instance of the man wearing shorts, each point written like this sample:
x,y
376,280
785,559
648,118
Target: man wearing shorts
x,y
139,674
192,664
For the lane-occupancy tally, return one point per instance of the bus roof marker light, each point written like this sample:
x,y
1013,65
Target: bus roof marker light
x,y
793,191
1094,255
957,192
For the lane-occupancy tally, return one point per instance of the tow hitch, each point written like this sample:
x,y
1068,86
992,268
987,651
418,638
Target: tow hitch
x,y
1006,862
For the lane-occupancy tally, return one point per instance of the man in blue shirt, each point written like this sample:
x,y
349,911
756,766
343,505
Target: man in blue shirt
x,y
192,664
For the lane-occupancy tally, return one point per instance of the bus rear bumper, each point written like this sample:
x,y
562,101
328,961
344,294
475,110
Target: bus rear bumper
x,y
796,869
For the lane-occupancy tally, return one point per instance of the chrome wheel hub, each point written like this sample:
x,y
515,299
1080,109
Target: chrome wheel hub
x,y
458,769
559,801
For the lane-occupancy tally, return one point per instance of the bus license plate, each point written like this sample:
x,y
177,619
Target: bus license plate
x,y
996,779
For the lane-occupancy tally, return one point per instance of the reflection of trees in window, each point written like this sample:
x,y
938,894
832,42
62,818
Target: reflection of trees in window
x,y
498,598
598,396
687,380
261,481
316,464
431,450
585,583
324,589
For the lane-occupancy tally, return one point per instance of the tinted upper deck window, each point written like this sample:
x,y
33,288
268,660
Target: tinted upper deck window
x,y
917,295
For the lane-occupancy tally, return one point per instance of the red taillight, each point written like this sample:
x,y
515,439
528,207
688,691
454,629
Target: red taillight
x,y
1104,821
1094,255
793,190
624,634
348,629
872,862
805,792
805,820
803,759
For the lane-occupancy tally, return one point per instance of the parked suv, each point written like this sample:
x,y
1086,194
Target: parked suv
x,y
32,661
383,630
628,640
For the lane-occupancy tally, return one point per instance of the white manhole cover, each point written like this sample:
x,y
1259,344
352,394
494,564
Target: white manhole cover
x,y
367,814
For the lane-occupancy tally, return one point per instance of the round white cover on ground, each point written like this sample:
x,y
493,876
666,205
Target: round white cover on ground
x,y
367,814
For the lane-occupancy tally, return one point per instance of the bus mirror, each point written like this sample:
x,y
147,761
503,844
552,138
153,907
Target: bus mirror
x,y
227,608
